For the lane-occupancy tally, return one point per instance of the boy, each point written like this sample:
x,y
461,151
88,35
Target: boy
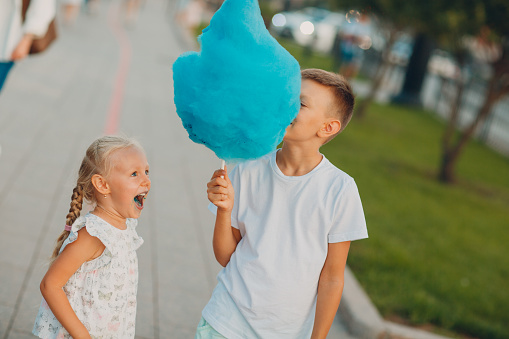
x,y
283,227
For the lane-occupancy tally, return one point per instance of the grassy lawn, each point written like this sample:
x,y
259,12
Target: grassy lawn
x,y
437,254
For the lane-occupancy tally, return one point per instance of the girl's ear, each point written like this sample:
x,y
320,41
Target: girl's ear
x,y
330,128
100,184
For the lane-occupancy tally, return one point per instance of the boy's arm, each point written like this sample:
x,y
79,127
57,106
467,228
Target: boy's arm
x,y
220,193
225,238
72,257
330,288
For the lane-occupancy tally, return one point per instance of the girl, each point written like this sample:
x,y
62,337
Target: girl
x,y
90,288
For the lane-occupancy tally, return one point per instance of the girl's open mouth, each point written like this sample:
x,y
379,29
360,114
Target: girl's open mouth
x,y
139,200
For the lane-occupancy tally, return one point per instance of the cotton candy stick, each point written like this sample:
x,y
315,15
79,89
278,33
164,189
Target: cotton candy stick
x,y
223,164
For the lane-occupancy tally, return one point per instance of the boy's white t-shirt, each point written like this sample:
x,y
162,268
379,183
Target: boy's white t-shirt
x,y
269,287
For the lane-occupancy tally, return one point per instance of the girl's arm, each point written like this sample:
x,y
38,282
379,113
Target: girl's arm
x,y
220,193
330,288
85,248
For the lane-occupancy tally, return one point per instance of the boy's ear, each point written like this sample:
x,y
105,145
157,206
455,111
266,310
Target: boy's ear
x,y
100,184
329,128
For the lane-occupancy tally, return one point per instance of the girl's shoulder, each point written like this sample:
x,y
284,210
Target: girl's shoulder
x,y
98,228
115,240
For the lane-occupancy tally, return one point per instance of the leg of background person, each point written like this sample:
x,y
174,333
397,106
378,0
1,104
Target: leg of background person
x,y
5,67
131,11
71,10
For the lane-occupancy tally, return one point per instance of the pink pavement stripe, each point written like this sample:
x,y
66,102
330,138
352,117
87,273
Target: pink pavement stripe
x,y
115,108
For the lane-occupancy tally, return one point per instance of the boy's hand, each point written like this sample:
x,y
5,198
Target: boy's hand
x,y
220,190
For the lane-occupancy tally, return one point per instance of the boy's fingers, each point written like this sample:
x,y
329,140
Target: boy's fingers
x,y
217,197
217,190
217,182
218,174
226,177
225,172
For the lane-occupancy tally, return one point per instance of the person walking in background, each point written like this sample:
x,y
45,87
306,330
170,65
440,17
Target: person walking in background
x,y
16,35
131,10
90,288
70,10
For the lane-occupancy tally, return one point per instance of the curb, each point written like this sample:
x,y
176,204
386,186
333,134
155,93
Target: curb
x,y
363,320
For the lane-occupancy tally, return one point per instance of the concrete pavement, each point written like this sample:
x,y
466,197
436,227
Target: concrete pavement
x,y
98,76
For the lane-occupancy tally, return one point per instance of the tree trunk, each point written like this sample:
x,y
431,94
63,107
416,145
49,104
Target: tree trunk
x,y
448,159
450,153
382,68
416,70
453,118
446,174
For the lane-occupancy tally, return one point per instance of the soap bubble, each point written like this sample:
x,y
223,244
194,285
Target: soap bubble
x,y
352,16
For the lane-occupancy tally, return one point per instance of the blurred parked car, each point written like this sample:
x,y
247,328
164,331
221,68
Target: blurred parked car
x,y
443,64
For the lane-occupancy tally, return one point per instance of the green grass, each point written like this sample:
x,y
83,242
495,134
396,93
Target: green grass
x,y
437,254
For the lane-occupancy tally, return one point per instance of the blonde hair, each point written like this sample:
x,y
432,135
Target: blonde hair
x,y
344,99
96,161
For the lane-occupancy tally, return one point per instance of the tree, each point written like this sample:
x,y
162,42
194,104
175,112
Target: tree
x,y
497,88
487,21
416,71
449,22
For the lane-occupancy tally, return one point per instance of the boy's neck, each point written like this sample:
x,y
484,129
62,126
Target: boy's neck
x,y
296,161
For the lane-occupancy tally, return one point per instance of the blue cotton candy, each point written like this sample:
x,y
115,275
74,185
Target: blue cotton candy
x,y
240,92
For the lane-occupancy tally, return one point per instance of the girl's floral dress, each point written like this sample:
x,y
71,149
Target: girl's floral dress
x,y
102,292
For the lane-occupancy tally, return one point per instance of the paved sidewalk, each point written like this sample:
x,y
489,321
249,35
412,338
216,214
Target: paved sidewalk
x,y
51,108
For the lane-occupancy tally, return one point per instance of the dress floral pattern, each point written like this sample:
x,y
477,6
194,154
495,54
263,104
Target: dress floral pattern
x,y
102,292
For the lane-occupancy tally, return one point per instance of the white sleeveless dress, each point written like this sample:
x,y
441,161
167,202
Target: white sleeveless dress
x,y
102,292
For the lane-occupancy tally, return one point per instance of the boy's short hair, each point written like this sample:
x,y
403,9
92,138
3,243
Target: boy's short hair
x,y
344,99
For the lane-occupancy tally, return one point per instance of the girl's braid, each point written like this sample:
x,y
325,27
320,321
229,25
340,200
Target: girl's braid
x,y
76,205
74,213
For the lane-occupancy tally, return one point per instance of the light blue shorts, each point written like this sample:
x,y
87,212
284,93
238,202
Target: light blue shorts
x,y
205,331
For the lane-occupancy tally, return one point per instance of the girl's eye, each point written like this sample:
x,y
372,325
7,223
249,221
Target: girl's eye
x,y
146,172
134,174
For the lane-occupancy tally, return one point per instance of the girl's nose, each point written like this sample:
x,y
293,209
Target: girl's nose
x,y
147,181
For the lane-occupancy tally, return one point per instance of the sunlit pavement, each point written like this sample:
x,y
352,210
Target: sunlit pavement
x,y
101,76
